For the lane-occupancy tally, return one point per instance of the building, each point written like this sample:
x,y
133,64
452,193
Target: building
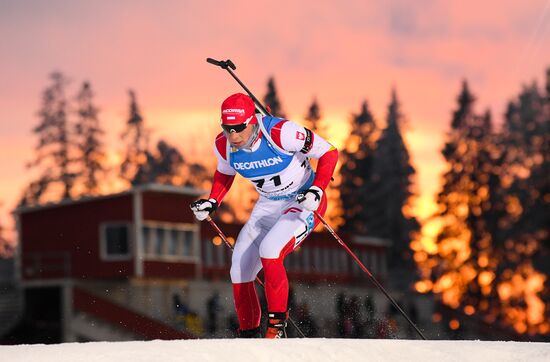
x,y
137,265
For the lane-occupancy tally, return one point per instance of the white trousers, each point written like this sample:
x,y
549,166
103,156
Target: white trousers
x,y
273,226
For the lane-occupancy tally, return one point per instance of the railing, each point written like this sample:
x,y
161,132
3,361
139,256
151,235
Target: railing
x,y
122,317
46,265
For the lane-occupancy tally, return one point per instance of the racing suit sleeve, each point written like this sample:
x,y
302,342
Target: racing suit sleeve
x,y
224,175
294,138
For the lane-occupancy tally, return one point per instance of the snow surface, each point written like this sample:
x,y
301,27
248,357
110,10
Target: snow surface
x,y
303,350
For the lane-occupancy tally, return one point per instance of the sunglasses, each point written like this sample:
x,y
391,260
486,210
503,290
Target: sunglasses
x,y
237,128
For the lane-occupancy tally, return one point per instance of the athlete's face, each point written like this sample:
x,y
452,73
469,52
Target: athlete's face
x,y
238,139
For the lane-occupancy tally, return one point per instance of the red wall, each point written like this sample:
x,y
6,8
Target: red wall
x,y
167,207
159,269
73,230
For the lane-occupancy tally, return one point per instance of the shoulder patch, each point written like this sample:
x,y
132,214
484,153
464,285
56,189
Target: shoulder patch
x,y
276,133
221,145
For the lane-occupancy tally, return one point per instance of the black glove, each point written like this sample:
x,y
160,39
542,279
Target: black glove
x,y
310,198
203,208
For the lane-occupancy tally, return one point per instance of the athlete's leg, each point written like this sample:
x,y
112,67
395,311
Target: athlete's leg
x,y
245,265
291,228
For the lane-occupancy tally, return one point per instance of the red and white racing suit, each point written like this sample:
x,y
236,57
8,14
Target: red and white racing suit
x,y
278,166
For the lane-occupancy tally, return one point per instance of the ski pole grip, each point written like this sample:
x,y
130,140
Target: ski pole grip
x,y
213,61
224,64
230,64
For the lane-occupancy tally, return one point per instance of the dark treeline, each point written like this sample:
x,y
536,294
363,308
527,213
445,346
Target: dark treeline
x,y
376,176
491,253
376,184
71,158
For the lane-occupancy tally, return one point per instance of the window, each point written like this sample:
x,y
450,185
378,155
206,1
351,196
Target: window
x,y
147,240
290,261
365,258
115,243
159,241
306,259
344,258
220,255
355,270
172,242
317,259
187,243
326,260
374,263
208,246
383,265
336,266
168,241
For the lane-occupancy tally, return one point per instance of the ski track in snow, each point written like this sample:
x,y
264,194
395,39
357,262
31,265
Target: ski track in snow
x,y
287,350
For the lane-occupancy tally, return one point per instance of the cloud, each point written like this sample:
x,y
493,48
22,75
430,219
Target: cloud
x,y
418,20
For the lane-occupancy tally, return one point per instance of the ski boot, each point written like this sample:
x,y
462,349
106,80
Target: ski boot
x,y
250,333
276,325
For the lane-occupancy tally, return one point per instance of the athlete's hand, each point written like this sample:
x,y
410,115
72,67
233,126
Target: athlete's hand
x,y
203,208
310,198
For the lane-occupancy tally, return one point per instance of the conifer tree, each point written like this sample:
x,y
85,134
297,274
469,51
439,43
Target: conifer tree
x,y
53,149
135,166
493,209
356,164
313,122
313,119
165,166
526,137
389,189
465,245
198,175
271,99
90,147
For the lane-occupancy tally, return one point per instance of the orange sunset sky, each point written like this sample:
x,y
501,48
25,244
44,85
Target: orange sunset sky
x,y
340,52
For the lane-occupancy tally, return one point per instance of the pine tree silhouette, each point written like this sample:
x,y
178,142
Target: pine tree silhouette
x,y
53,149
389,190
356,166
526,138
165,166
271,99
313,119
89,144
135,166
494,207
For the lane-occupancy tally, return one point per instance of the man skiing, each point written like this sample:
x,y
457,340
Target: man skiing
x,y
273,153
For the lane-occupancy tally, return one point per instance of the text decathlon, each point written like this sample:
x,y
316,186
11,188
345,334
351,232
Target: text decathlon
x,y
257,164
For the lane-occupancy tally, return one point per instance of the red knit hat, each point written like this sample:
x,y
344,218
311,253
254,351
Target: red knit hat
x,y
238,109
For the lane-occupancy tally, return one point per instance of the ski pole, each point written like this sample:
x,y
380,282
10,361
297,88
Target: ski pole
x,y
372,278
258,280
229,65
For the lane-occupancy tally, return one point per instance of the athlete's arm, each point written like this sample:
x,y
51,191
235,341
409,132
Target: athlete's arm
x,y
325,168
221,183
295,138
225,174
